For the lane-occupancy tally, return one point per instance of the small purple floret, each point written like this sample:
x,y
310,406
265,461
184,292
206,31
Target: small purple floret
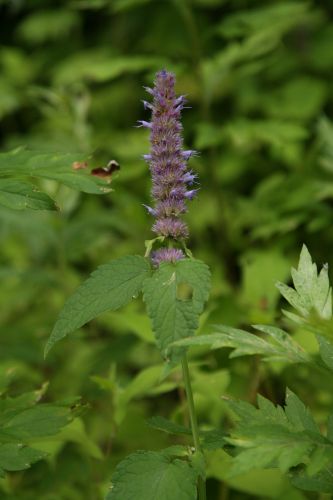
x,y
150,210
189,177
191,194
149,90
143,123
187,154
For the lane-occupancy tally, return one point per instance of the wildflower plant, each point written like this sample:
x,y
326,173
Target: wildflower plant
x,y
167,269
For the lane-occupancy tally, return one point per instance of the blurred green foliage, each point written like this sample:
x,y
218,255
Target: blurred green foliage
x,y
258,79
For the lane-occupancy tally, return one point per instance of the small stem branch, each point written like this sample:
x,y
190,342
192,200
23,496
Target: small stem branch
x,y
190,402
194,422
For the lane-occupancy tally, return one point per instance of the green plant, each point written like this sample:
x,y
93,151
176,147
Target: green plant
x,y
258,78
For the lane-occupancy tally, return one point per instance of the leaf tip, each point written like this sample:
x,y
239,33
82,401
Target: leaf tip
x,y
47,348
304,249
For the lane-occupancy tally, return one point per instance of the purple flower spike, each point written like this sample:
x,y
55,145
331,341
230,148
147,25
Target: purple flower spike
x,y
171,178
166,255
167,159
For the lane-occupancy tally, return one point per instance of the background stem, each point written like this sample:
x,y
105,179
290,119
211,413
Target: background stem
x,y
194,423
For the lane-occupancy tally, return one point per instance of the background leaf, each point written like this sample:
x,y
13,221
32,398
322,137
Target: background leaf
x,y
57,167
312,290
14,457
24,423
281,346
151,475
20,195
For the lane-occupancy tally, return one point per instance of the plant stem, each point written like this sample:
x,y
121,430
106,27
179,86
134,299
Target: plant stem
x,y
194,422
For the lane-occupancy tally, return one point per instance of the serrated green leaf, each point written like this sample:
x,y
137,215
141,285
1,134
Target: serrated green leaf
x,y
25,424
267,414
311,323
149,475
312,292
19,195
319,459
292,297
11,406
305,277
269,436
58,167
173,318
326,351
322,294
38,421
78,179
281,346
298,415
282,450
321,482
14,457
291,349
108,288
